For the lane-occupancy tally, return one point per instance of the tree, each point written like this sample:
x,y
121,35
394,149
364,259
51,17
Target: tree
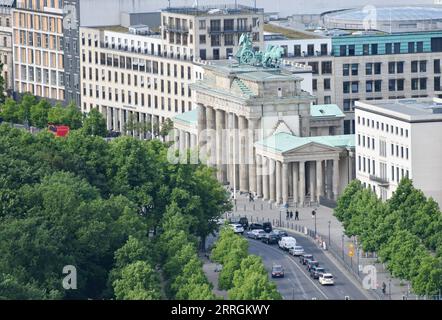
x,y
138,282
251,282
39,114
74,116
10,111
166,127
94,124
25,106
345,199
2,84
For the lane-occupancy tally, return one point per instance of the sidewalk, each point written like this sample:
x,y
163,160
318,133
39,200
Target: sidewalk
x,y
329,231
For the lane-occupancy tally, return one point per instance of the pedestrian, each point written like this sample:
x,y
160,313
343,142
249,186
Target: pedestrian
x,y
288,215
297,215
384,287
291,215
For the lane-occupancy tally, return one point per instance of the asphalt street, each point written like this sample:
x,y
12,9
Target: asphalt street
x,y
297,283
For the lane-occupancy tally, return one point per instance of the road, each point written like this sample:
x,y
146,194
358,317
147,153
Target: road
x,y
297,283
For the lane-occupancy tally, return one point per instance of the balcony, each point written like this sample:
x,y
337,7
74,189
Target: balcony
x,y
381,181
220,30
176,29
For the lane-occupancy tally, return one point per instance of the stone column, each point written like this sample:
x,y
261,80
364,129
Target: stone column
x,y
121,123
115,126
231,146
108,118
265,178
302,182
312,179
243,167
319,177
295,182
182,141
259,173
253,126
278,182
220,147
285,183
202,125
335,179
193,141
211,136
272,180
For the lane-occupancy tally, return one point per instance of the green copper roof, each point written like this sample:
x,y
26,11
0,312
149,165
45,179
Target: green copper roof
x,y
190,117
284,142
326,110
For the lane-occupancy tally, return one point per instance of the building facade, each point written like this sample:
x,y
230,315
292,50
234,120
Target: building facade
x,y
397,139
210,33
257,127
38,48
376,67
6,56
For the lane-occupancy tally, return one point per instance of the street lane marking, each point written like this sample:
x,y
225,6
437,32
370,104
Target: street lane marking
x,y
294,262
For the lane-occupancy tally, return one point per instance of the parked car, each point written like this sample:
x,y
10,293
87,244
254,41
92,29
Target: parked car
x,y
316,272
311,264
277,271
242,221
256,226
256,234
267,227
237,228
287,243
280,233
270,238
296,251
303,258
326,279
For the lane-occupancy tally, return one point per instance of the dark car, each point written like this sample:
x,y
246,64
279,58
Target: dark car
x,y
244,222
277,271
280,234
267,227
311,264
256,226
270,238
316,271
303,258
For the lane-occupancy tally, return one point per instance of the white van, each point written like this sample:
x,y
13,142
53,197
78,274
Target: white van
x,y
287,243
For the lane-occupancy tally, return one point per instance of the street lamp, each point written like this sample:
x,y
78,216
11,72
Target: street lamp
x,y
389,288
329,239
314,216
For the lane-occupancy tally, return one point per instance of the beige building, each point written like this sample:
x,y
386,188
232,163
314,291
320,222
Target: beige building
x,y
257,127
38,48
6,43
132,74
210,33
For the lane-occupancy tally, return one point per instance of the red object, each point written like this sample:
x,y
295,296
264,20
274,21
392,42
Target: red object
x,y
62,131
59,131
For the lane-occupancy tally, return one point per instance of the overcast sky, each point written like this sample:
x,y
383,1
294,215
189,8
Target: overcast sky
x,y
289,7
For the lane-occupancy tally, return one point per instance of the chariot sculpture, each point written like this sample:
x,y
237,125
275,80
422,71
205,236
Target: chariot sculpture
x,y
271,58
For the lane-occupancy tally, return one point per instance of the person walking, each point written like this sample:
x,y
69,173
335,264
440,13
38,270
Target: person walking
x,y
297,215
384,287
291,215
287,215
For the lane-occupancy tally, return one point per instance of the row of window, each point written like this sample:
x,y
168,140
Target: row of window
x,y
367,165
39,40
135,98
393,85
383,127
389,48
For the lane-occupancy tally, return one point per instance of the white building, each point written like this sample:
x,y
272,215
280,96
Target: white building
x,y
399,138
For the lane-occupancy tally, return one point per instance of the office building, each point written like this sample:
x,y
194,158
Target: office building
x,y
397,139
6,56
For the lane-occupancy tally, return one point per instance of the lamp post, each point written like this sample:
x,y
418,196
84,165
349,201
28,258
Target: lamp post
x,y
329,239
389,288
342,245
314,216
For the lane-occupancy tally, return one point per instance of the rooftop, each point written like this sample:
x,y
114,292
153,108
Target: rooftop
x,y
221,9
284,142
290,34
190,117
326,111
410,110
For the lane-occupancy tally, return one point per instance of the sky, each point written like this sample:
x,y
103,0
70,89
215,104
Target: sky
x,y
289,7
